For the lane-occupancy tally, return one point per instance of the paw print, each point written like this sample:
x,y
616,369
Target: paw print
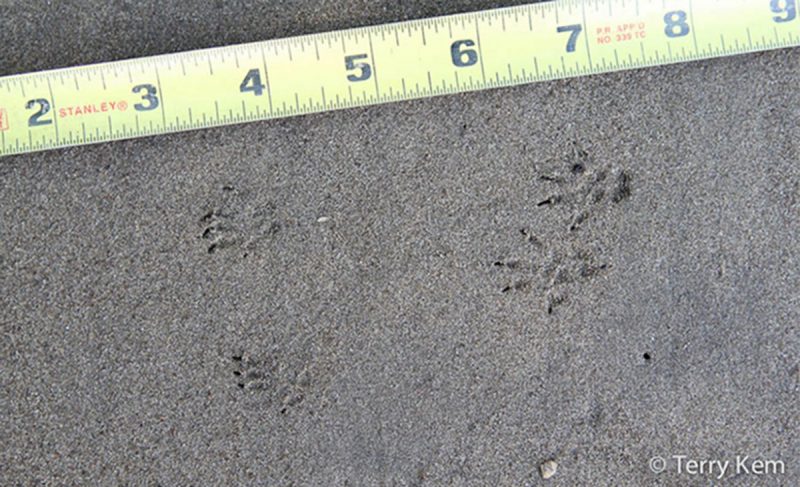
x,y
268,377
556,261
218,231
583,186
238,220
254,374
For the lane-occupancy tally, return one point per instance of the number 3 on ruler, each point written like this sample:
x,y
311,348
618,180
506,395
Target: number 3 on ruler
x,y
789,8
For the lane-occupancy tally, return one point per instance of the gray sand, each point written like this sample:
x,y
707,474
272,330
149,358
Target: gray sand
x,y
594,271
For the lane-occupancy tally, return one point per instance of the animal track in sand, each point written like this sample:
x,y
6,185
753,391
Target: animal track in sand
x,y
267,375
551,263
237,219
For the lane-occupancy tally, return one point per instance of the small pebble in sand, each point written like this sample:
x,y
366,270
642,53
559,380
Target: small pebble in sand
x,y
323,219
548,469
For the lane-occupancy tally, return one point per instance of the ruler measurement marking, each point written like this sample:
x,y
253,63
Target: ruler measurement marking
x,y
161,104
266,79
374,66
480,49
53,104
586,37
692,28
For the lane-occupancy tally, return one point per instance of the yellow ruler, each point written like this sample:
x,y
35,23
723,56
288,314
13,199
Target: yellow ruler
x,y
378,64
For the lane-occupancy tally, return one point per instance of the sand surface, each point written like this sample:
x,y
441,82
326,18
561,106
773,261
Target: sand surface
x,y
441,292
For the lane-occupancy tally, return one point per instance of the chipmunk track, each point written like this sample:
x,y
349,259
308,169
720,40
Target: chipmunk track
x,y
267,375
578,188
237,220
